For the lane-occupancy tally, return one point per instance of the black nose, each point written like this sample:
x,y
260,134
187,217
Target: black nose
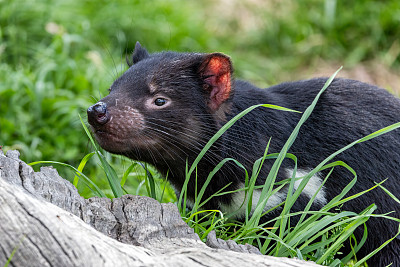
x,y
98,114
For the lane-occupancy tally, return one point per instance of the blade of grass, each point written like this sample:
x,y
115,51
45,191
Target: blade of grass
x,y
96,190
376,250
164,187
111,175
82,165
14,250
149,180
360,244
389,193
127,172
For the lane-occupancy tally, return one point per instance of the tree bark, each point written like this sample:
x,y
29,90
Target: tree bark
x,y
45,222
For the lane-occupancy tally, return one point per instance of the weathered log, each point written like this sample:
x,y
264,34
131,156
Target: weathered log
x,y
47,223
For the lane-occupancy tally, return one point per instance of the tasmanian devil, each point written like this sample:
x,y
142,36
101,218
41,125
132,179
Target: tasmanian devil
x,y
167,105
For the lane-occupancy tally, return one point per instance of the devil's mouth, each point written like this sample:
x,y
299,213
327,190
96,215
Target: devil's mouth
x,y
101,132
107,138
117,142
109,141
105,134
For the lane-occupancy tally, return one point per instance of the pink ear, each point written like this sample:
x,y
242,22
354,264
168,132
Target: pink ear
x,y
216,71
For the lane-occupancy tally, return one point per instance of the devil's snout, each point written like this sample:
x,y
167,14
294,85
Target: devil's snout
x,y
98,114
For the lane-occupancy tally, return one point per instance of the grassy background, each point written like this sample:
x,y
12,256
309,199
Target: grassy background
x,y
58,57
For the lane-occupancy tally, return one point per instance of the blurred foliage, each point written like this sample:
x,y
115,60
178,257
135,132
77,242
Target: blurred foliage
x,y
57,57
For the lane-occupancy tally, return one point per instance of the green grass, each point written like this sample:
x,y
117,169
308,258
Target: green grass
x,y
14,251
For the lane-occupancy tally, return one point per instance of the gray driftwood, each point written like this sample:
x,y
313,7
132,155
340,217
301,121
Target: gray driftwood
x,y
46,223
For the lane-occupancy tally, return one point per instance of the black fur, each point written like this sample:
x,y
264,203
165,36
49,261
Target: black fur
x,y
167,137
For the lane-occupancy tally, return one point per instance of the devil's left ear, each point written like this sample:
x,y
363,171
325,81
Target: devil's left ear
x,y
216,71
139,54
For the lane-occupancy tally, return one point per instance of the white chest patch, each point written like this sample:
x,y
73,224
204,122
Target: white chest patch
x,y
238,199
312,186
238,204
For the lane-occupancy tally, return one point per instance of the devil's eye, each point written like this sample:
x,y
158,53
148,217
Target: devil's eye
x,y
160,101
